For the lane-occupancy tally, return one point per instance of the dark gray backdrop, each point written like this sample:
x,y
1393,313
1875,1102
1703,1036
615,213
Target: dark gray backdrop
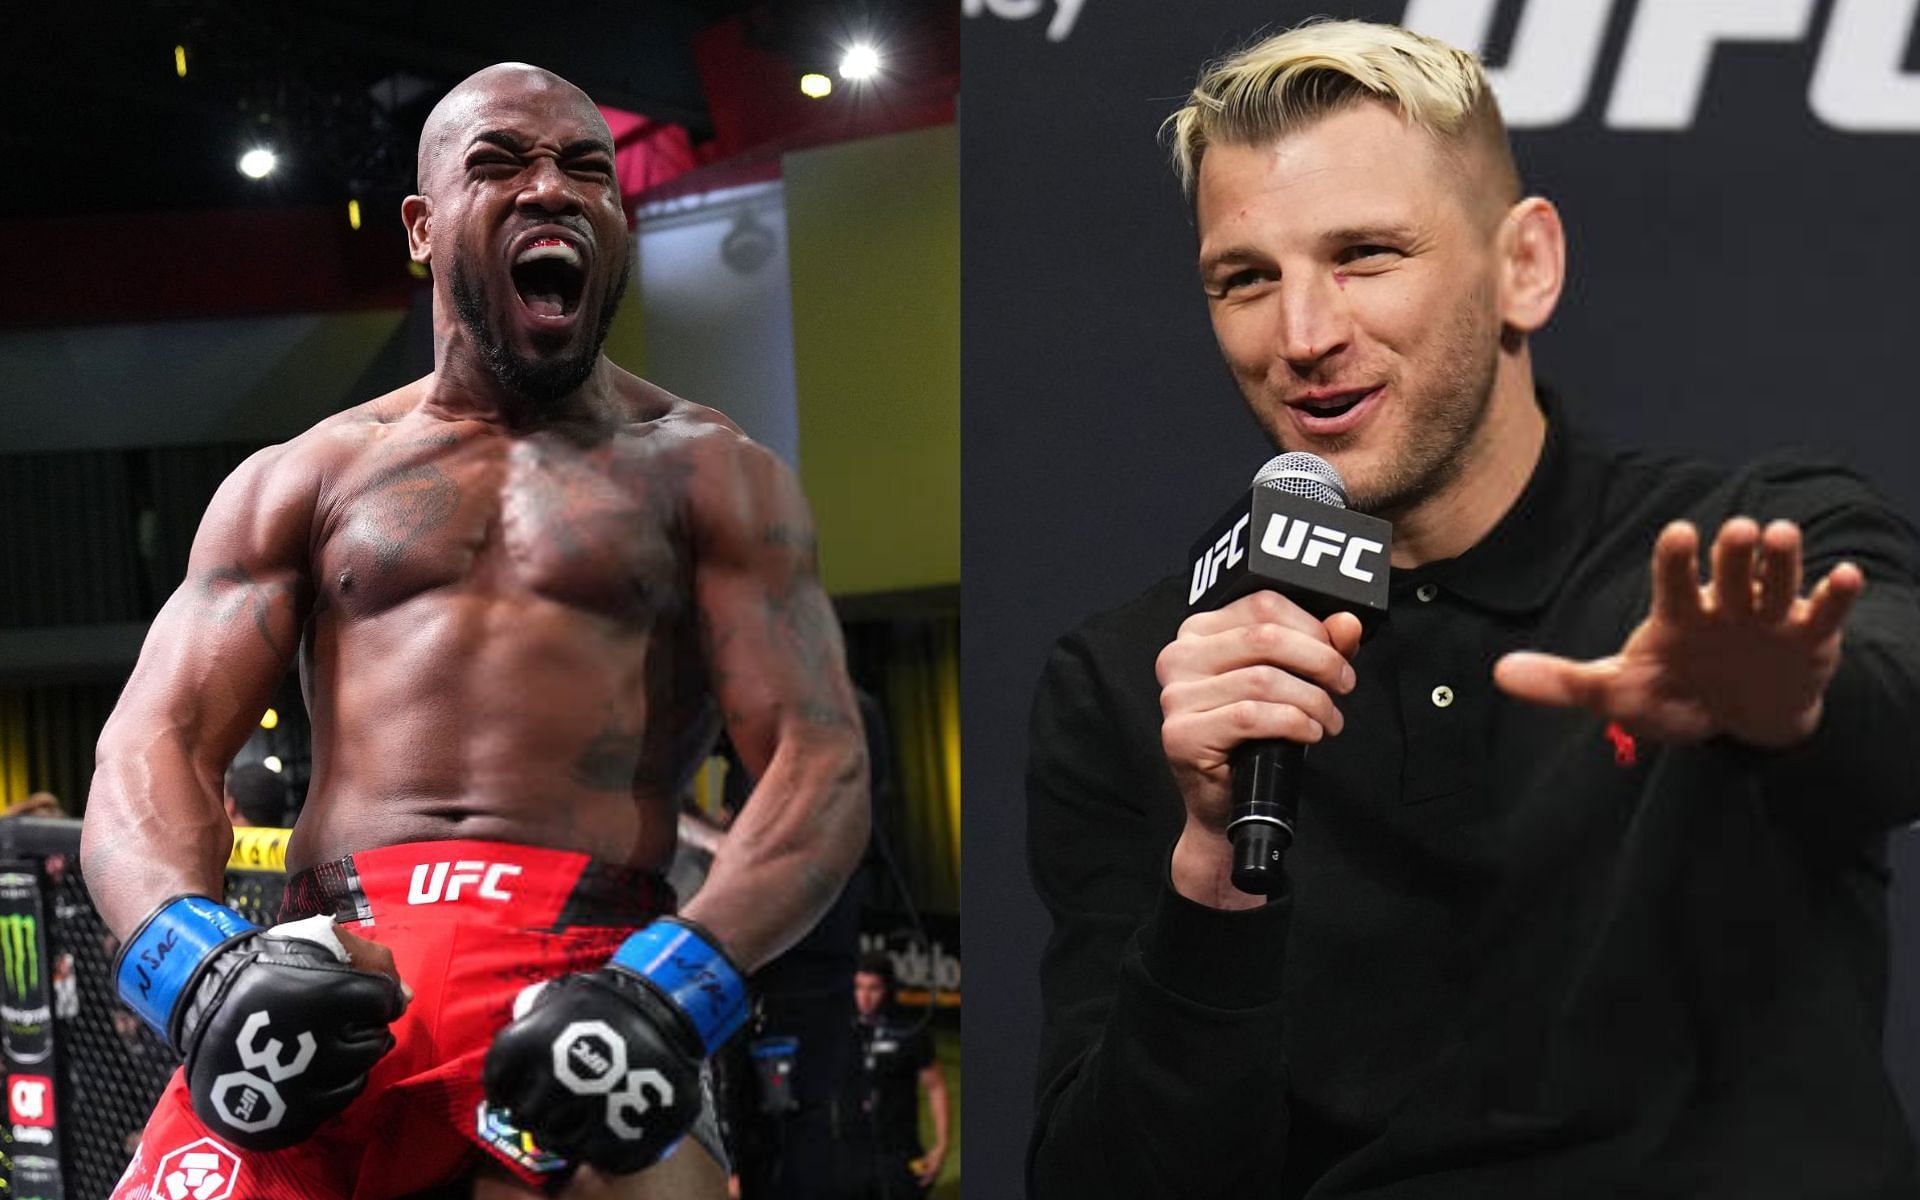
x,y
1739,283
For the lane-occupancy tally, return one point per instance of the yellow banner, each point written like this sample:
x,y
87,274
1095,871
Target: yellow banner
x,y
257,848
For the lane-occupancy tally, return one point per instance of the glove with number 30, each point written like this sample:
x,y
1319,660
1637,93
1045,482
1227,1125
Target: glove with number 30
x,y
604,1067
278,1032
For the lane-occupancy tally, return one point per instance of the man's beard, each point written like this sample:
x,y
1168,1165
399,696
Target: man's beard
x,y
540,380
1435,447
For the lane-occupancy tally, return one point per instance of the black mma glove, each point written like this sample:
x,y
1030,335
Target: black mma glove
x,y
277,1031
604,1068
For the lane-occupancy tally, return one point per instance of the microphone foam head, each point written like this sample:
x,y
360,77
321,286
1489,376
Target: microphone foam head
x,y
1305,475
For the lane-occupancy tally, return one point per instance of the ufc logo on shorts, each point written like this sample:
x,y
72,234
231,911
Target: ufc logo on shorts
x,y
245,1100
434,882
590,1059
203,1170
1857,84
30,1100
1293,539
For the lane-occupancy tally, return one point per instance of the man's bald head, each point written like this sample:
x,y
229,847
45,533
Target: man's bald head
x,y
456,109
513,155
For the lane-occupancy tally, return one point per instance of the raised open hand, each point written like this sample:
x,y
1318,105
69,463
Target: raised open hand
x,y
1744,655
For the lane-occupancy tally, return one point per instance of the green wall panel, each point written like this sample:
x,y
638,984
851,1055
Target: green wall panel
x,y
873,233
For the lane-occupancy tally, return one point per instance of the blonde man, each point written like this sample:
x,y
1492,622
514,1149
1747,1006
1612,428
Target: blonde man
x,y
1602,924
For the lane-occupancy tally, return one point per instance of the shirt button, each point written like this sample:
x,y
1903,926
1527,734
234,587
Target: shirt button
x,y
1426,592
1442,696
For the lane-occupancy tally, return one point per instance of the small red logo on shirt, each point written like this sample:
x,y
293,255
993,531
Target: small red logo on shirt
x,y
1624,751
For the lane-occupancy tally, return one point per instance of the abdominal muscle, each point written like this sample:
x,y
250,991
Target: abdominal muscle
x,y
461,716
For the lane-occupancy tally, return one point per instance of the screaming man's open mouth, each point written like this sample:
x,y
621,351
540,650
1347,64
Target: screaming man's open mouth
x,y
550,277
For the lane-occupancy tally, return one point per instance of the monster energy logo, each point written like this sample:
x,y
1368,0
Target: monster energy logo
x,y
20,948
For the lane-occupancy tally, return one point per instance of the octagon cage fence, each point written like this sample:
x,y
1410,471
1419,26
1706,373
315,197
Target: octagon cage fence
x,y
107,1066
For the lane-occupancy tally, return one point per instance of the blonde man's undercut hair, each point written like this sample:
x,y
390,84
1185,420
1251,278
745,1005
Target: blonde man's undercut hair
x,y
1292,79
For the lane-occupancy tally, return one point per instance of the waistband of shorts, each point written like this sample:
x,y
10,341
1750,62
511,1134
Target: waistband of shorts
x,y
500,883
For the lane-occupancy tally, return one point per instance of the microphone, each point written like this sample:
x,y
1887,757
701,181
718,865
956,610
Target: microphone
x,y
1292,533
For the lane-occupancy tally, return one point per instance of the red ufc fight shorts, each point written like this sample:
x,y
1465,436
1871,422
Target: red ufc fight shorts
x,y
470,924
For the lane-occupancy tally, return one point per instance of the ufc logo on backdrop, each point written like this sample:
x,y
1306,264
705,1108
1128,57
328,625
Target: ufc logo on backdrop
x,y
1065,13
434,882
1858,84
1295,540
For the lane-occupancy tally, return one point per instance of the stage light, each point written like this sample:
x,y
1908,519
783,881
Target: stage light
x,y
269,719
180,61
861,61
353,213
272,763
814,85
258,163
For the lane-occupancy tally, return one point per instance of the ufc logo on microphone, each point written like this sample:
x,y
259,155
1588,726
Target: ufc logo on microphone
x,y
1223,553
434,882
1297,541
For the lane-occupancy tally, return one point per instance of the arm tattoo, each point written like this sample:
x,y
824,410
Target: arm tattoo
x,y
719,676
803,540
800,621
231,589
826,716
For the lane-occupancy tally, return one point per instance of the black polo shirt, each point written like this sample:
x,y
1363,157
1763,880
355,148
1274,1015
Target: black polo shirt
x,y
1522,955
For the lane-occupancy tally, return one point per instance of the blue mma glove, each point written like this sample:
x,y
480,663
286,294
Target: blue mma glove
x,y
277,1031
604,1068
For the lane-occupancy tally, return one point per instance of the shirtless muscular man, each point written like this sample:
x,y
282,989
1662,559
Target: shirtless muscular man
x,y
526,590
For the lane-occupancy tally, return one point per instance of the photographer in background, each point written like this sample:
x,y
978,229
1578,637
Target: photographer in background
x,y
877,1121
